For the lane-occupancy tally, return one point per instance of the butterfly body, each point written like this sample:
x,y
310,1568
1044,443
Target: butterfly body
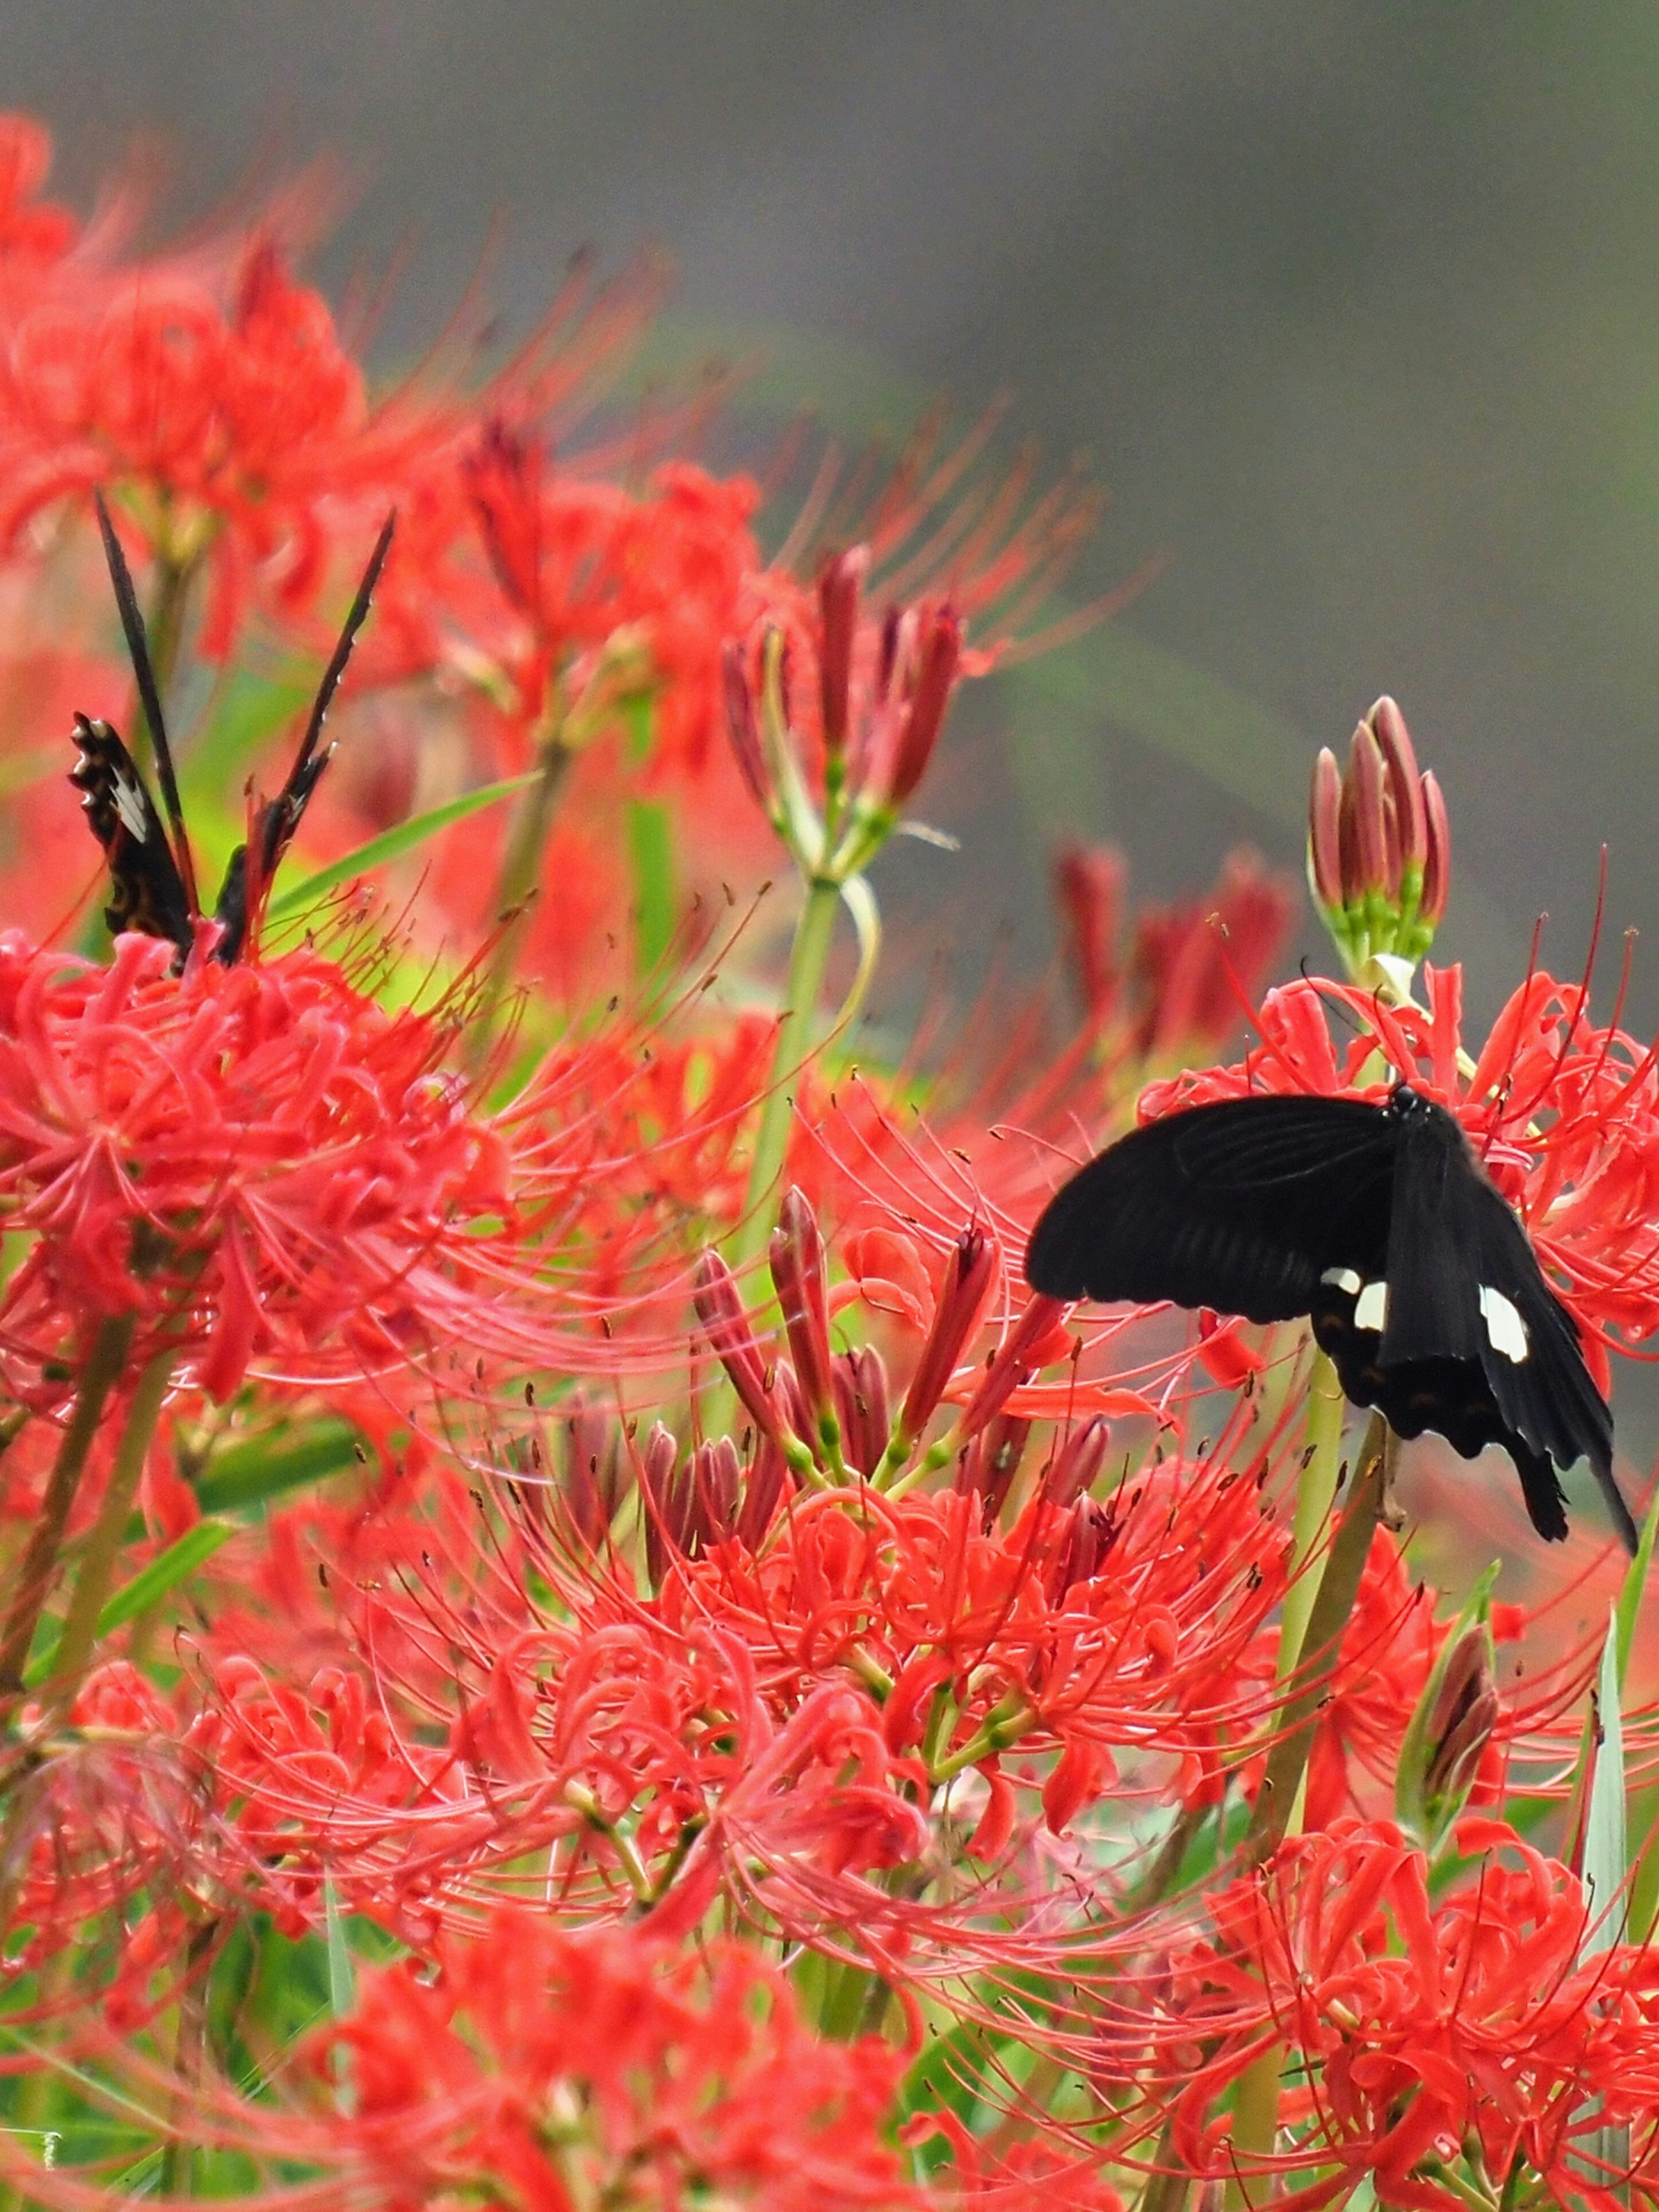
x,y
1376,1222
152,874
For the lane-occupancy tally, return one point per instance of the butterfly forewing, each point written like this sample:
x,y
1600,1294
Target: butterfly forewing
x,y
1240,1205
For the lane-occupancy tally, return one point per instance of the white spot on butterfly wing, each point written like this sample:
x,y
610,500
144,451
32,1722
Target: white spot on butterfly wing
x,y
1504,1327
1344,1279
130,805
1372,1310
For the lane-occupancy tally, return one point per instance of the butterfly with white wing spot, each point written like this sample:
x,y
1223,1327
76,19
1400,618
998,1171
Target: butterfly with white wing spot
x,y
1379,1224
152,874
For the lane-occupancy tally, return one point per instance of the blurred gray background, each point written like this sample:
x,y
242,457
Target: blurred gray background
x,y
1352,302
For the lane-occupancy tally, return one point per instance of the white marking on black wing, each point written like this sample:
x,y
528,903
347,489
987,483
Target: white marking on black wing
x,y
1372,1310
1504,1327
1344,1278
130,803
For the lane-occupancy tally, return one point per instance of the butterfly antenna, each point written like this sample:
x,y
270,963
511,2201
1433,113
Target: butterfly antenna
x,y
150,696
336,667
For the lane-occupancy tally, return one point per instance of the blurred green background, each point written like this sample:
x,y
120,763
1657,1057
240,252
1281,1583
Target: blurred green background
x,y
1352,302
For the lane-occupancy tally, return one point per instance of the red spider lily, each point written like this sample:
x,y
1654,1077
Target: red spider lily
x,y
258,1162
228,426
885,686
559,2069
35,234
1388,1652
980,1640
1563,1115
1426,2029
1191,969
603,593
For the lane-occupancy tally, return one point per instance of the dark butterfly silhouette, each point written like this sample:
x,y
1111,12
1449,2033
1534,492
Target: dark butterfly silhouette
x,y
1381,1225
152,873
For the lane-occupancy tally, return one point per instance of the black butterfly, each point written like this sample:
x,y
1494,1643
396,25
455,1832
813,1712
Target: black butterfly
x,y
1378,1223
152,874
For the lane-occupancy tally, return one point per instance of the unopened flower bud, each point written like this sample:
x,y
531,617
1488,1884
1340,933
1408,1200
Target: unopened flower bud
x,y
715,1481
1407,814
761,1490
667,1499
1465,1714
986,1469
964,1288
839,582
1089,889
1378,845
593,1476
743,726
726,1325
938,655
1076,1465
1447,1735
860,1386
1325,832
1436,866
796,1256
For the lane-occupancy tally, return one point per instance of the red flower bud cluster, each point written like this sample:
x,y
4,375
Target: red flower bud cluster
x,y
1379,844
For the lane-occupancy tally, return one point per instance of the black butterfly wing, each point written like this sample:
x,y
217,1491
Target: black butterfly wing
x,y
247,880
1532,1359
1242,1206
147,891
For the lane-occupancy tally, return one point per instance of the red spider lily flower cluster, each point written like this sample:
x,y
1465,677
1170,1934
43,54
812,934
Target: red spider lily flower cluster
x,y
1191,969
1473,2029
259,1163
543,1522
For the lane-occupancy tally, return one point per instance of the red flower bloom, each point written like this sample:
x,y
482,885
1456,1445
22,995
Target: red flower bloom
x,y
259,1162
549,2069
1423,2027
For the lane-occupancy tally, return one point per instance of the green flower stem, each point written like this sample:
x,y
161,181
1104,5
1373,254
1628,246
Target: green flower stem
x,y
1255,2126
1314,1626
521,872
807,961
1333,1605
1005,1724
103,1545
165,629
105,1364
1315,1495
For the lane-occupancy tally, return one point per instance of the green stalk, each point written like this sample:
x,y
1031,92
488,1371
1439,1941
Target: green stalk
x,y
104,1366
166,628
807,961
1315,1495
1339,1587
521,872
103,1545
1314,1627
